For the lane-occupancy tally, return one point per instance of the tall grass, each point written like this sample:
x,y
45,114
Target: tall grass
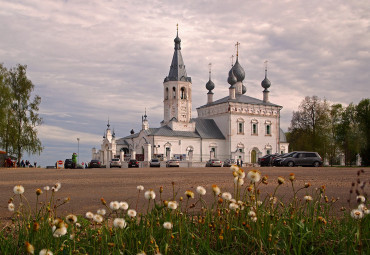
x,y
240,222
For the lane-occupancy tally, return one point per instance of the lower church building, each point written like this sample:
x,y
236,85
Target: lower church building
x,y
236,126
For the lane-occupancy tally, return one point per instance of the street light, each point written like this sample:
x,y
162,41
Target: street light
x,y
78,150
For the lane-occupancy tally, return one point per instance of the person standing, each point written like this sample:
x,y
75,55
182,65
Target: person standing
x,y
35,164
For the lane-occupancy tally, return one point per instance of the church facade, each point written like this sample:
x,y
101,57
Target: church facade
x,y
234,127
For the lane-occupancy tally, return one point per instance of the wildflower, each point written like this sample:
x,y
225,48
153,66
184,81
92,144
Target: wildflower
x,y
307,185
363,208
131,213
241,173
233,200
18,189
114,205
11,207
273,200
172,205
57,186
141,253
322,220
254,176
89,215
36,226
45,252
201,191
71,218
98,218
71,236
119,223
101,212
238,181
281,180
123,205
226,196
161,188
167,225
46,188
149,194
140,188
234,168
357,214
291,177
233,206
103,201
259,202
29,247
241,205
252,214
38,192
78,225
189,194
216,190
264,180
360,199
58,232
254,219
307,198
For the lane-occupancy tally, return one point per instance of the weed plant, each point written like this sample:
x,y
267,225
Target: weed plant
x,y
236,222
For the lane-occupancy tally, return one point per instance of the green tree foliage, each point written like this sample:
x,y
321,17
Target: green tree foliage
x,y
310,126
20,113
363,119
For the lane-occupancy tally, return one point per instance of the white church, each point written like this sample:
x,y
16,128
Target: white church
x,y
234,127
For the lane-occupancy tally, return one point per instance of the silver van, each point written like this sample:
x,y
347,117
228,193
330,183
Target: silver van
x,y
302,158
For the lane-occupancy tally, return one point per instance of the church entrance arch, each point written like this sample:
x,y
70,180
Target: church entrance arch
x,y
190,151
167,150
254,154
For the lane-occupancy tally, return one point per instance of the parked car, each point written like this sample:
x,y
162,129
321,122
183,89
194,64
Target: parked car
x,y
214,162
173,163
94,164
155,163
267,159
115,162
133,163
302,158
229,162
277,161
68,163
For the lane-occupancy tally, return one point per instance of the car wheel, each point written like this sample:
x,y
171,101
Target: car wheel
x,y
316,164
290,164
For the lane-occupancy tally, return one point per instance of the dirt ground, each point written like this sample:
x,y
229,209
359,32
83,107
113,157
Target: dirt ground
x,y
86,187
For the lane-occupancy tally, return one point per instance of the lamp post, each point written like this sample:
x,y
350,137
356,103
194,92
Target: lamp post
x,y
78,150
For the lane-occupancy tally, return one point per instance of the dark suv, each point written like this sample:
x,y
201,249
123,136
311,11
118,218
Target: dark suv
x,y
68,163
94,164
302,158
133,163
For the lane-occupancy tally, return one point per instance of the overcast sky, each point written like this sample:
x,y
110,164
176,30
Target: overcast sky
x,y
90,60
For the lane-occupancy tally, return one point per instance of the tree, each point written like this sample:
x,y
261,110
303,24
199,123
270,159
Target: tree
x,y
363,119
5,108
20,134
310,126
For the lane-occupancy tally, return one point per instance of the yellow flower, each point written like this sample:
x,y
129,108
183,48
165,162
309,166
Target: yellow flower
x,y
291,177
216,189
38,192
189,194
281,180
29,248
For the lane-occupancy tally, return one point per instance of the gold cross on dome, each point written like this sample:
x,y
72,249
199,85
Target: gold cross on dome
x,y
237,48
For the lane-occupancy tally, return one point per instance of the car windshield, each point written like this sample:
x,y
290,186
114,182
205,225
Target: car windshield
x,y
115,159
289,155
155,160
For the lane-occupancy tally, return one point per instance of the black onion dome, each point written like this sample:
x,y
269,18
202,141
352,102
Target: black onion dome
x,y
265,83
231,79
210,85
238,71
177,39
244,89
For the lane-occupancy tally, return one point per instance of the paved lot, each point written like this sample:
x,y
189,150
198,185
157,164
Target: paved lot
x,y
85,187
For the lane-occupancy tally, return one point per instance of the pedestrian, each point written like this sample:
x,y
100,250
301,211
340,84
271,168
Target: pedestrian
x,y
237,162
241,163
35,164
22,163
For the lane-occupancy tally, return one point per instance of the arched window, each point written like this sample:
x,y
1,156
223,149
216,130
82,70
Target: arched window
x,y
174,92
183,93
240,127
166,94
268,128
254,127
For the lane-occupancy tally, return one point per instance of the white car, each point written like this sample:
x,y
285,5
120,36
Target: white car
x,y
115,162
173,163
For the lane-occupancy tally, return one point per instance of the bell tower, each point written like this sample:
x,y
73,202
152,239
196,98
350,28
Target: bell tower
x,y
177,89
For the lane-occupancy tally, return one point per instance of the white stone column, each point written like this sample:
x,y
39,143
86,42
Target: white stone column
x,y
122,156
358,160
342,159
147,152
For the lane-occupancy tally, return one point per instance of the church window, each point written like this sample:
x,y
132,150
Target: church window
x,y
268,152
166,95
213,152
268,129
240,150
240,127
174,92
183,93
254,129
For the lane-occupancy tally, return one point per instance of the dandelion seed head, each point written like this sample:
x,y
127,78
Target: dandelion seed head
x,y
11,207
45,252
71,218
167,225
114,205
58,232
238,181
46,188
357,214
101,212
241,173
234,168
251,214
227,196
360,199
307,198
123,205
89,215
233,206
149,194
273,200
119,223
172,205
254,219
18,189
201,191
216,189
140,188
98,218
254,176
132,213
